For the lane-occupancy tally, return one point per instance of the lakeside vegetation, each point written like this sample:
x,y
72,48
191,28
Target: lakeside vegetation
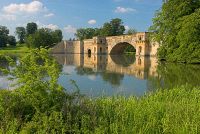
x,y
19,49
176,28
168,111
40,105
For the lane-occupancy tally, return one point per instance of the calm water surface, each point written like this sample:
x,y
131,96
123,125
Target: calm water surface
x,y
102,75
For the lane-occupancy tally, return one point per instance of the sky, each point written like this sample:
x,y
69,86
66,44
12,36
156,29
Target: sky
x,y
69,15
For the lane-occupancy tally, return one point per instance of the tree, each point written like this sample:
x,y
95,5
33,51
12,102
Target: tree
x,y
12,40
3,36
113,28
21,34
31,28
57,35
80,34
117,27
168,26
188,38
131,31
106,30
43,37
85,33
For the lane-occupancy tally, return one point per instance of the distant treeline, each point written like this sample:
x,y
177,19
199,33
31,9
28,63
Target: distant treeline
x,y
31,36
113,28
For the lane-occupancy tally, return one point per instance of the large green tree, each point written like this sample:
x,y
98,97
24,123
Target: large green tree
x,y
117,27
57,35
11,40
113,28
86,33
44,37
106,30
171,27
3,36
21,34
31,28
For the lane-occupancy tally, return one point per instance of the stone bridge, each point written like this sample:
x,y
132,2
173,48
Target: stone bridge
x,y
110,45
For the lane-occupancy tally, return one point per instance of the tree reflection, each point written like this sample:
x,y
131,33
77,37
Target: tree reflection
x,y
84,71
113,78
172,75
5,64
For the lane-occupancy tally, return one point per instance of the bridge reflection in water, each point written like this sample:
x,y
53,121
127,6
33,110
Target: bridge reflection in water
x,y
98,75
139,67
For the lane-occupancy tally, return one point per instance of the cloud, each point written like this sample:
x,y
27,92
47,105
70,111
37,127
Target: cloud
x,y
32,7
124,10
92,22
49,15
70,29
92,77
127,27
50,26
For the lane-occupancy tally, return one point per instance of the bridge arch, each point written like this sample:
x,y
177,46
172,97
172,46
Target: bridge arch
x,y
120,47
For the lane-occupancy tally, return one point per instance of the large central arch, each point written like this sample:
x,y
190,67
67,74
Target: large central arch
x,y
119,48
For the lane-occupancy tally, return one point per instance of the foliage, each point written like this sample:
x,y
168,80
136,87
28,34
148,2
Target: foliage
x,y
39,105
106,30
57,34
21,34
176,28
32,36
117,27
31,28
19,49
129,49
3,36
44,38
112,28
12,40
85,33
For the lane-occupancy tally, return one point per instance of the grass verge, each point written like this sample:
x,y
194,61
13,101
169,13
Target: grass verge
x,y
14,50
166,111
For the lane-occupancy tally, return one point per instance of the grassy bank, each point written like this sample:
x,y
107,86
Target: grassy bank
x,y
167,111
14,50
40,105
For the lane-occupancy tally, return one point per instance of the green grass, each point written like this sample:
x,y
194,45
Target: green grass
x,y
165,111
129,53
14,50
169,111
39,105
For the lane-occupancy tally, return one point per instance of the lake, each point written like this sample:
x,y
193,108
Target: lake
x,y
108,75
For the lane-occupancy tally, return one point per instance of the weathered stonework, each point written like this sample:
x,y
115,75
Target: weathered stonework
x,y
110,45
